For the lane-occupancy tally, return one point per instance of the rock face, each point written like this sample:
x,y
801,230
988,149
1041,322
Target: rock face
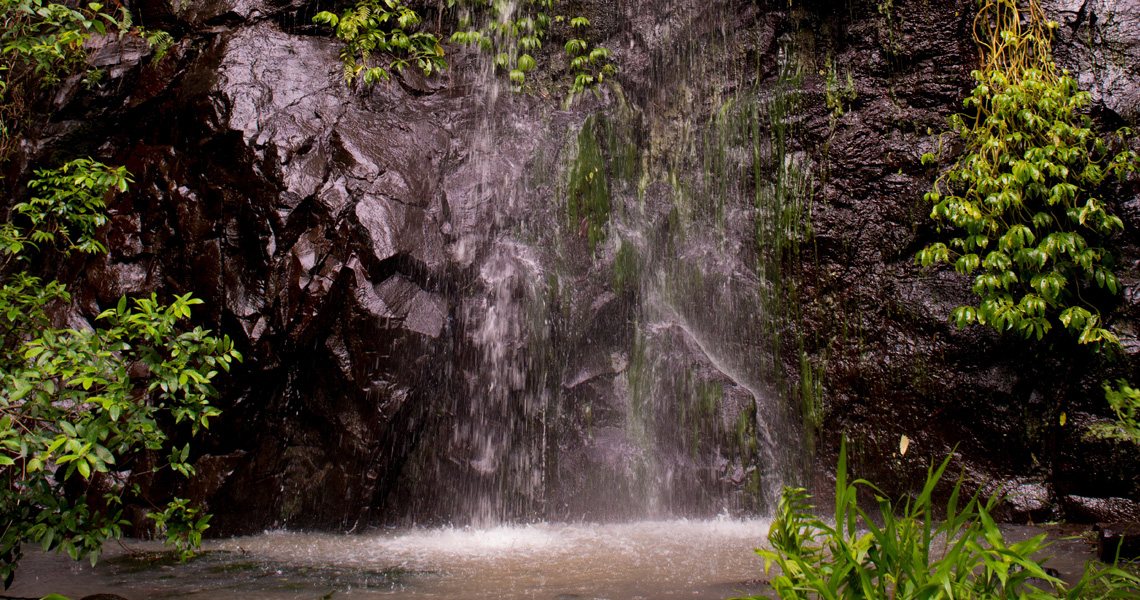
x,y
667,297
1016,411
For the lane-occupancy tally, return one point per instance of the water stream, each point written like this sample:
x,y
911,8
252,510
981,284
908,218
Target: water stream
x,y
621,327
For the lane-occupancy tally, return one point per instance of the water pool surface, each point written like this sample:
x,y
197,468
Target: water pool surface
x,y
698,560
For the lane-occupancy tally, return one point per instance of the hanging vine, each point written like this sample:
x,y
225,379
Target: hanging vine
x,y
1022,203
376,27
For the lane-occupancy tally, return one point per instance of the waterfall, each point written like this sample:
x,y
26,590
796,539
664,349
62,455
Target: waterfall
x,y
620,321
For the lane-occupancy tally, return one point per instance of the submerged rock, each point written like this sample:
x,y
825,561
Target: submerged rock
x,y
1118,542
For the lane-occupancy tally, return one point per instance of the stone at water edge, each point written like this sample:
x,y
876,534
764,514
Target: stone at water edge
x,y
1112,537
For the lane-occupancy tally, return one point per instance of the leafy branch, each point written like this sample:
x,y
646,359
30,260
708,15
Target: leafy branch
x,y
73,405
41,43
514,32
372,28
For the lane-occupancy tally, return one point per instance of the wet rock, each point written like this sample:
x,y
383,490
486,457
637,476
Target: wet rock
x,y
1118,541
1100,45
209,12
1093,510
394,228
398,265
117,54
1029,501
211,472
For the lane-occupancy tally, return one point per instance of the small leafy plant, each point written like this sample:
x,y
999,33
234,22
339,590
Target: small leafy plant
x,y
1125,403
182,526
376,27
589,66
905,552
79,406
41,43
514,32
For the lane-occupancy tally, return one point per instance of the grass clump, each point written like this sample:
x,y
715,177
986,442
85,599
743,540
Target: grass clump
x,y
905,552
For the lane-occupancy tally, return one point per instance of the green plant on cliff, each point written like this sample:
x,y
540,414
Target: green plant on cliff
x,y
39,43
377,27
513,32
588,189
904,551
82,407
1022,200
589,66
1125,403
42,43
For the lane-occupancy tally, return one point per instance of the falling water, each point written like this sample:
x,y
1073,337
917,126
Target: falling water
x,y
617,348
620,343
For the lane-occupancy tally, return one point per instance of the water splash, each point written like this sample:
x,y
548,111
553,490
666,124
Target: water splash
x,y
709,559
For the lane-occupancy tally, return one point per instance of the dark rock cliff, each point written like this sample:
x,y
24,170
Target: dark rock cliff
x,y
431,336
1016,411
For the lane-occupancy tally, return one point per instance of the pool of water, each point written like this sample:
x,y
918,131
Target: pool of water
x,y
697,560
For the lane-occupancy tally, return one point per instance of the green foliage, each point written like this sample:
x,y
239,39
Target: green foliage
x,y
1022,201
589,66
182,525
904,552
836,93
77,406
1125,402
159,41
513,32
45,39
41,42
66,208
382,26
588,190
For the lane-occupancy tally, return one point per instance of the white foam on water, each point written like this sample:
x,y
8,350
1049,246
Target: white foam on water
x,y
625,560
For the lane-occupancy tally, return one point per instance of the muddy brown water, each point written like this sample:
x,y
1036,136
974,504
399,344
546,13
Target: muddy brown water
x,y
712,559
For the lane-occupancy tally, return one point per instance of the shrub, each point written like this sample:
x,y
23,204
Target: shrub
x,y
41,43
79,406
1022,200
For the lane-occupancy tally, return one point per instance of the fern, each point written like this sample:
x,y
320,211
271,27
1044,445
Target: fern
x,y
159,41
